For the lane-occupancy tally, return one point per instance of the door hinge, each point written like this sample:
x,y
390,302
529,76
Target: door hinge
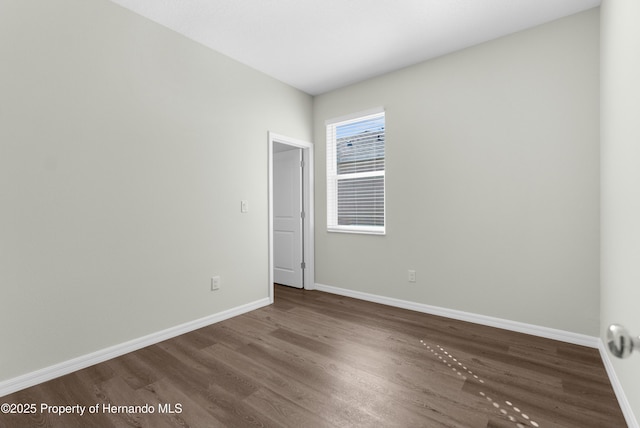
x,y
303,265
301,164
302,214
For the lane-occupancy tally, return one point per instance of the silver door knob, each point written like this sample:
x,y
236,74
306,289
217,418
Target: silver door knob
x,y
620,342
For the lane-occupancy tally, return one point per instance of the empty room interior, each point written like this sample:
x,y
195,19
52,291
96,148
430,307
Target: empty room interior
x,y
144,149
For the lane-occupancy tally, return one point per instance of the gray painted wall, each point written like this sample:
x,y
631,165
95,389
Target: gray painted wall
x,y
492,180
620,139
125,150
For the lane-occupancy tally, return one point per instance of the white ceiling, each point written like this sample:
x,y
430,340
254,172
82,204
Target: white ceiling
x,y
320,45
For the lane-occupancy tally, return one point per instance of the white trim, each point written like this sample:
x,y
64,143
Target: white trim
x,y
625,406
535,330
353,116
334,178
48,373
308,205
549,333
362,230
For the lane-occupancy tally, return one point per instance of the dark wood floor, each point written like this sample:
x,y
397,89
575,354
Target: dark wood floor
x,y
318,360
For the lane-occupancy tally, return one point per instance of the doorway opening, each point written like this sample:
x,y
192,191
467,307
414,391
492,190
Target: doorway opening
x,y
291,254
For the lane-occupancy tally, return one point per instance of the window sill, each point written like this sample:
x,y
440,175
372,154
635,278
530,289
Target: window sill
x,y
357,230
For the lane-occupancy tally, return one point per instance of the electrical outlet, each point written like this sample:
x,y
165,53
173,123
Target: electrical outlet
x,y
215,283
244,206
412,275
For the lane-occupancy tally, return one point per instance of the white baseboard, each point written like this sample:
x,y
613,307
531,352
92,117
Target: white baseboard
x,y
549,333
535,330
48,373
627,411
30,379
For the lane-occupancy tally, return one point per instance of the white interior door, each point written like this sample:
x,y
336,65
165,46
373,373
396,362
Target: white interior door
x,y
287,218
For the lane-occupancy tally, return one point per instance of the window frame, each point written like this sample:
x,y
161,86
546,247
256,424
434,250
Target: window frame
x,y
333,177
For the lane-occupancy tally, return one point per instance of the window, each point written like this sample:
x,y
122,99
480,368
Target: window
x,y
355,173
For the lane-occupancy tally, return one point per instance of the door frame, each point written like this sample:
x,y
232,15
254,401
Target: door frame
x,y
307,205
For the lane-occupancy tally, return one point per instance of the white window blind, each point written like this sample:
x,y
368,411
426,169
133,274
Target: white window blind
x,y
356,174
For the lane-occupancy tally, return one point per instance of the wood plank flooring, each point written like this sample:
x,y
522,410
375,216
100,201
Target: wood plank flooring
x,y
318,360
